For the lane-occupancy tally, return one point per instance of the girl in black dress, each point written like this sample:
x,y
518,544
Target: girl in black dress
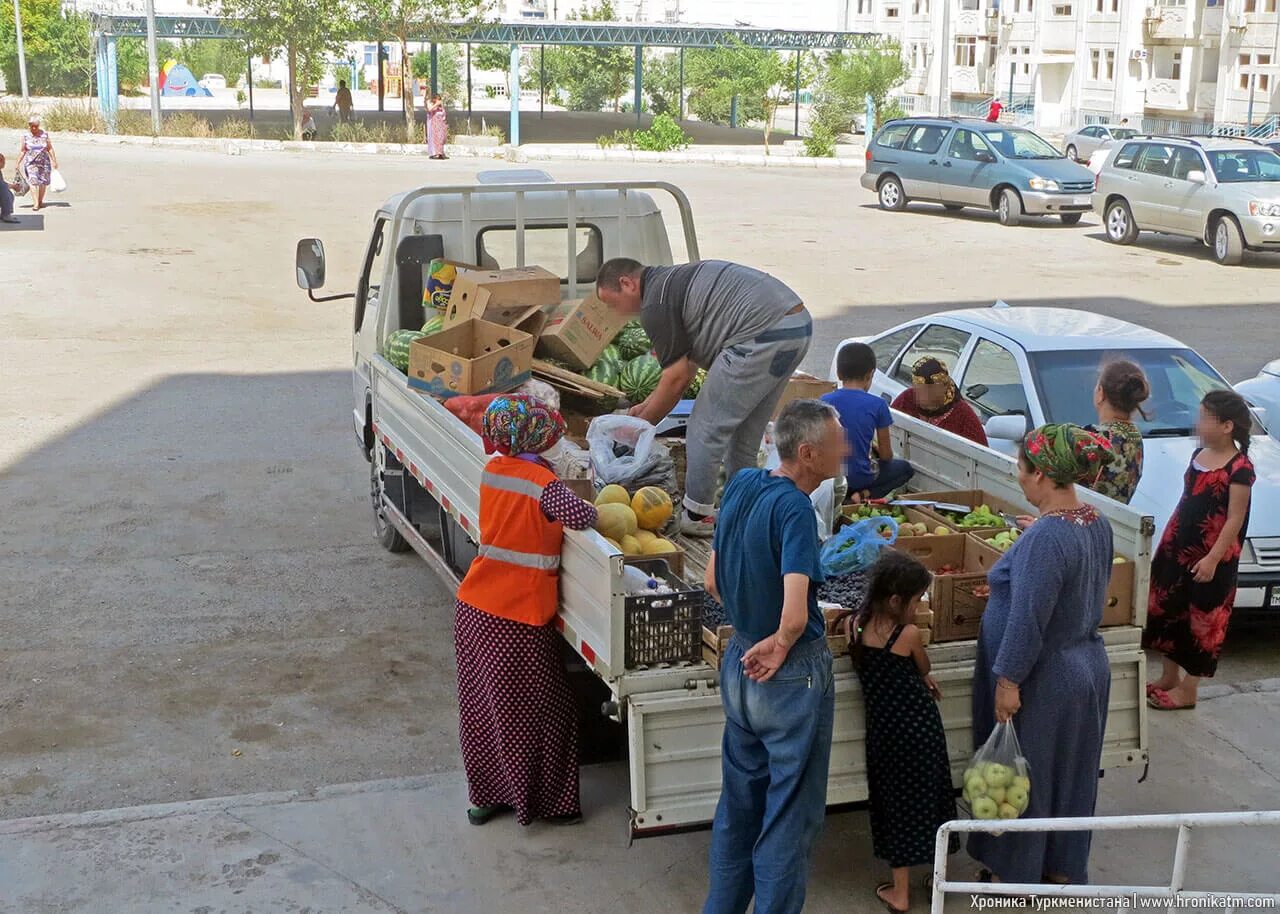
x,y
908,774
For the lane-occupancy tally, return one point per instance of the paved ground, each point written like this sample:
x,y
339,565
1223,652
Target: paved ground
x,y
193,606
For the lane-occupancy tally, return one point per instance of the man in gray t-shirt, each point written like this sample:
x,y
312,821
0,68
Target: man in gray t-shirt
x,y
745,327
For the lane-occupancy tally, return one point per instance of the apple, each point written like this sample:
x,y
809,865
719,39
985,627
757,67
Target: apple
x,y
1005,811
997,793
976,786
1017,796
997,775
1023,782
985,808
940,531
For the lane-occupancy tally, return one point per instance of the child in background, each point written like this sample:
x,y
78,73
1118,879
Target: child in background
x,y
1193,573
908,773
865,417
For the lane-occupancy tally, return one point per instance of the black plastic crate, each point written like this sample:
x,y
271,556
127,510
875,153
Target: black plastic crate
x,y
664,627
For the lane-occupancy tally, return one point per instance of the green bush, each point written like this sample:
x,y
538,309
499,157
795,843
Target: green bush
x,y
186,124
624,138
234,128
664,135
130,122
821,141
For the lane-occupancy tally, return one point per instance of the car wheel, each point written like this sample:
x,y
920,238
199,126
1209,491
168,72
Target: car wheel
x,y
1121,229
1070,218
1009,209
892,196
1073,154
1228,243
953,207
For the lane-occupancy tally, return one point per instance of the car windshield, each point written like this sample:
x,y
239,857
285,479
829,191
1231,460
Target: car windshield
x,y
1123,133
1179,379
1015,143
1239,166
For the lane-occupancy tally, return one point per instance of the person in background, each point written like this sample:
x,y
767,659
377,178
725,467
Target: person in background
x,y
776,681
746,328
308,126
1194,571
518,719
343,102
993,113
933,398
1041,662
6,197
1121,391
908,772
38,160
437,127
865,417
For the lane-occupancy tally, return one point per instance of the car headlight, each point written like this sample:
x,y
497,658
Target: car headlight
x,y
1247,555
1043,184
1258,208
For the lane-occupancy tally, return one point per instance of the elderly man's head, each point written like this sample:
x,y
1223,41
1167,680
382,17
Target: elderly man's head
x,y
810,440
618,284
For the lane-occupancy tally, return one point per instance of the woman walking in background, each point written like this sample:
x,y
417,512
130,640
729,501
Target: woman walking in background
x,y
1041,662
38,160
1193,574
518,718
1121,391
437,127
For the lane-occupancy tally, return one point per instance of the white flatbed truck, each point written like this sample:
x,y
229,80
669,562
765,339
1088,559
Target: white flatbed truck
x,y
425,467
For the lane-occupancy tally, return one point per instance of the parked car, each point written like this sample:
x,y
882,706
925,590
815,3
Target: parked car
x,y
1263,393
1273,144
213,81
961,162
1223,191
1022,367
1082,144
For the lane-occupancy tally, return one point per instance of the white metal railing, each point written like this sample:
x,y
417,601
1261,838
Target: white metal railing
x,y
1173,894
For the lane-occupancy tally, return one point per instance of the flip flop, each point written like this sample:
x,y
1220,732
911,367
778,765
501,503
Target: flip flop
x,y
1159,700
890,908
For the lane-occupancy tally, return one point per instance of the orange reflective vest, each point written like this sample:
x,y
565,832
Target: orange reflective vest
x,y
516,575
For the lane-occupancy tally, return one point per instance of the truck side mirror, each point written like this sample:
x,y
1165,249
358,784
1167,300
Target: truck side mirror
x,y
309,263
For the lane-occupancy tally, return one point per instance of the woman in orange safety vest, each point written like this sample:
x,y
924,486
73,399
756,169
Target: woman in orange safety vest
x,y
517,715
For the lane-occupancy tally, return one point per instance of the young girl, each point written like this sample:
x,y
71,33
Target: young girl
x,y
907,769
1193,574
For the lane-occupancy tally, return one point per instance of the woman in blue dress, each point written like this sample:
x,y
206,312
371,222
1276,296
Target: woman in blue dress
x,y
1041,662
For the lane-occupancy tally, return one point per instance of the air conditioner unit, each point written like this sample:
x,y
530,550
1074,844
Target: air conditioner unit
x,y
1238,22
1153,14
1138,54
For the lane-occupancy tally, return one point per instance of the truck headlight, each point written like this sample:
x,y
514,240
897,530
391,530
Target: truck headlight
x,y
1259,208
1043,184
1247,555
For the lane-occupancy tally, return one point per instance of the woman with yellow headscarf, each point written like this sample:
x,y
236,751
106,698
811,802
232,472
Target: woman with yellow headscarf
x,y
933,398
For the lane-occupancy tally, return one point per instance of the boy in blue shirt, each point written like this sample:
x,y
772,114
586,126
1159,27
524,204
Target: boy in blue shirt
x,y
865,417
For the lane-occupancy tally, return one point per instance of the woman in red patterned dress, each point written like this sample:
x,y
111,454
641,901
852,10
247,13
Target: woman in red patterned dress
x,y
1193,574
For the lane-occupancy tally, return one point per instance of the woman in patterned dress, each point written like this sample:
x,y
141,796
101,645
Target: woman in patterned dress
x,y
1193,574
38,160
1121,391
437,127
1041,662
518,719
933,398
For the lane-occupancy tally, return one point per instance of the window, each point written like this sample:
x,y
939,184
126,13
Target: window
x,y
993,383
1156,159
371,279
1264,79
370,55
1185,162
888,346
942,343
966,145
1251,68
893,136
1126,157
1235,165
966,52
1111,64
1095,63
891,12
927,139
1017,143
543,245
1026,60
1176,68
1250,6
1062,9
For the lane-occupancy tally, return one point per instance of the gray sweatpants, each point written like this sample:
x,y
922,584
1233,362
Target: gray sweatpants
x,y
735,403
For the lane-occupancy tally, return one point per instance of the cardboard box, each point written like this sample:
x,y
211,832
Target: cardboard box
x,y
956,601
475,357
971,497
803,387
500,296
1119,609
578,330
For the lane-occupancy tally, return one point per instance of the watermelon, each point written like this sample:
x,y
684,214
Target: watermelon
x,y
640,377
632,341
433,325
396,348
607,367
691,393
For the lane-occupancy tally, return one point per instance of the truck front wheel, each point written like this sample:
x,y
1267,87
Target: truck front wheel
x,y
387,535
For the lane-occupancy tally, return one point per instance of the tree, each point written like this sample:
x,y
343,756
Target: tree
x,y
662,82
491,57
849,77
592,77
448,69
754,75
307,32
59,49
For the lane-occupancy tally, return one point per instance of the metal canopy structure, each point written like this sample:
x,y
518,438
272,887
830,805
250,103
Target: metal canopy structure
x,y
108,28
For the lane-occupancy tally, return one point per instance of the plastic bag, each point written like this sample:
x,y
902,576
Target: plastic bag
x,y
568,460
624,451
857,546
57,183
439,285
823,500
541,390
20,185
997,783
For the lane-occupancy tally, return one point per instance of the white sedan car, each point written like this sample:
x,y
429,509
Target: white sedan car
x,y
1023,367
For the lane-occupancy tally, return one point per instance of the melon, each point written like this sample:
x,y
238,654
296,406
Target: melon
x,y
645,537
616,521
659,546
613,495
695,386
607,367
433,325
396,348
613,542
631,546
652,507
640,377
632,341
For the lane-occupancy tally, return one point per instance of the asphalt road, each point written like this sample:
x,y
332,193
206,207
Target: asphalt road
x,y
192,604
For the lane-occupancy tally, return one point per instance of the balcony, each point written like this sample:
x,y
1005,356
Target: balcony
x,y
1211,24
969,21
1171,24
1168,95
971,81
1058,35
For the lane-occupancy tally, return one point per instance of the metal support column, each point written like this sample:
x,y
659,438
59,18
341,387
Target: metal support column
x,y
468,84
382,77
249,83
513,87
733,112
153,67
639,81
113,85
100,71
681,105
22,54
542,81
797,130
435,68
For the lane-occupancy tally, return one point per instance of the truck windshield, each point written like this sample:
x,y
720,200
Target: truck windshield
x,y
1015,143
1179,379
1240,166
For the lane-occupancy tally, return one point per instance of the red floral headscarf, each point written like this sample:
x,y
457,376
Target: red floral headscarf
x,y
1067,453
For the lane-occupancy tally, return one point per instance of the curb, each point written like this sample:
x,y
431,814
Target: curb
x,y
515,154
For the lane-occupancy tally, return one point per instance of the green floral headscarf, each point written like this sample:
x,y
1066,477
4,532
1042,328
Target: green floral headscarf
x,y
1067,453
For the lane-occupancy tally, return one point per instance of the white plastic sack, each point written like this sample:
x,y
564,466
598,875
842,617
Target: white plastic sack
x,y
824,506
541,391
57,183
568,460
608,434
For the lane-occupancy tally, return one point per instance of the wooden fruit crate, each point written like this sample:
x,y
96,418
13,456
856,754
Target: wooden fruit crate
x,y
971,497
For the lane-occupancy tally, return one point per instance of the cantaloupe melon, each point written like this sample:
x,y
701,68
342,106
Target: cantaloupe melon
x,y
616,521
652,507
613,495
631,546
645,537
659,546
613,542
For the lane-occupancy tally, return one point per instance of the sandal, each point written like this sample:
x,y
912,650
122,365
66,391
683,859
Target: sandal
x,y
890,908
1159,700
